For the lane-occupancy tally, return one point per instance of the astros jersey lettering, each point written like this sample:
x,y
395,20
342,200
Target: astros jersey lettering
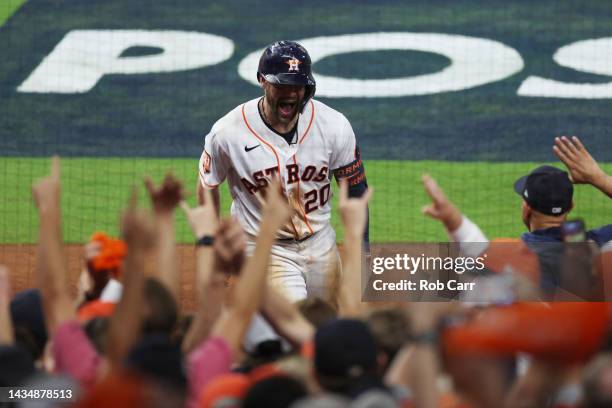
x,y
244,150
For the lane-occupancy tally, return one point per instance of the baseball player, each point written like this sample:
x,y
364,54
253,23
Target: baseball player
x,y
286,134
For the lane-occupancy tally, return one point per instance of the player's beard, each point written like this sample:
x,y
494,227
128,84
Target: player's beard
x,y
282,113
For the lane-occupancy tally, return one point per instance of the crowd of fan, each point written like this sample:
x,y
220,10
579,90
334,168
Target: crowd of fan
x,y
123,341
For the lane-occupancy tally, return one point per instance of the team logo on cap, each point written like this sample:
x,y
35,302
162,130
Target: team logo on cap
x,y
293,64
557,210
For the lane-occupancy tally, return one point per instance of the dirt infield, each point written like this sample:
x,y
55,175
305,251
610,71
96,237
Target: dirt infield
x,y
21,261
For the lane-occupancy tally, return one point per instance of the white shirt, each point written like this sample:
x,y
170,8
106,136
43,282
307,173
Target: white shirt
x,y
244,150
112,291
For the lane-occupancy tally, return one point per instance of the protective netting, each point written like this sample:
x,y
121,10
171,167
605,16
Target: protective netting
x,y
470,92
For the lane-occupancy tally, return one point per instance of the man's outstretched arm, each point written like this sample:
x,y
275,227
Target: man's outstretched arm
x,y
582,167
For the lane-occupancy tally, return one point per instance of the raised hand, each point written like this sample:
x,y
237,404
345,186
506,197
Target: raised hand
x,y
137,226
275,208
354,215
202,219
441,208
46,191
51,270
229,246
582,167
167,196
353,211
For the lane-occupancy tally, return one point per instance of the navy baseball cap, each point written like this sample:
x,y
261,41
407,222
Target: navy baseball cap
x,y
155,356
345,348
27,314
547,190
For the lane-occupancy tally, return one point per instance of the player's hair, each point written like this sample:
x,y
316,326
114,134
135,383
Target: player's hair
x,y
96,330
317,310
99,281
390,328
275,392
25,338
595,394
161,313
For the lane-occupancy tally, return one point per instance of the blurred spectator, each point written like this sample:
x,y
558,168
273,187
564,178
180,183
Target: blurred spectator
x,y
95,309
346,358
274,392
16,365
97,332
316,310
225,391
160,308
217,339
390,328
29,322
133,353
597,382
547,194
103,256
159,361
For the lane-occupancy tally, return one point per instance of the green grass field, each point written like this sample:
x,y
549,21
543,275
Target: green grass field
x,y
481,139
95,189
7,8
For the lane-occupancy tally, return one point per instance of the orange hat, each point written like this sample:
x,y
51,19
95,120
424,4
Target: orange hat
x,y
511,252
228,390
111,254
95,308
563,331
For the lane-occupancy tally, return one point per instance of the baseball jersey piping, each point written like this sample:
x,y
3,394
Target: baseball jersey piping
x,y
246,122
300,201
312,114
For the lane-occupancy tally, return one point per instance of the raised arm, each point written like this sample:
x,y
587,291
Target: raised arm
x,y
125,324
215,195
354,216
250,287
417,365
286,318
582,167
51,270
211,266
165,199
7,337
458,227
73,354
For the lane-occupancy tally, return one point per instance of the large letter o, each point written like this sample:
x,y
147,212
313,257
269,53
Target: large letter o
x,y
474,62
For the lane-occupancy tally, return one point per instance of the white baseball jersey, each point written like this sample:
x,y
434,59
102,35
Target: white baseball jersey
x,y
244,150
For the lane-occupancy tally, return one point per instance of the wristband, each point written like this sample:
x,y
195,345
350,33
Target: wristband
x,y
206,240
430,337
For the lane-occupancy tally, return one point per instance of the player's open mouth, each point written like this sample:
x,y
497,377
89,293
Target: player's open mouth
x,y
286,108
